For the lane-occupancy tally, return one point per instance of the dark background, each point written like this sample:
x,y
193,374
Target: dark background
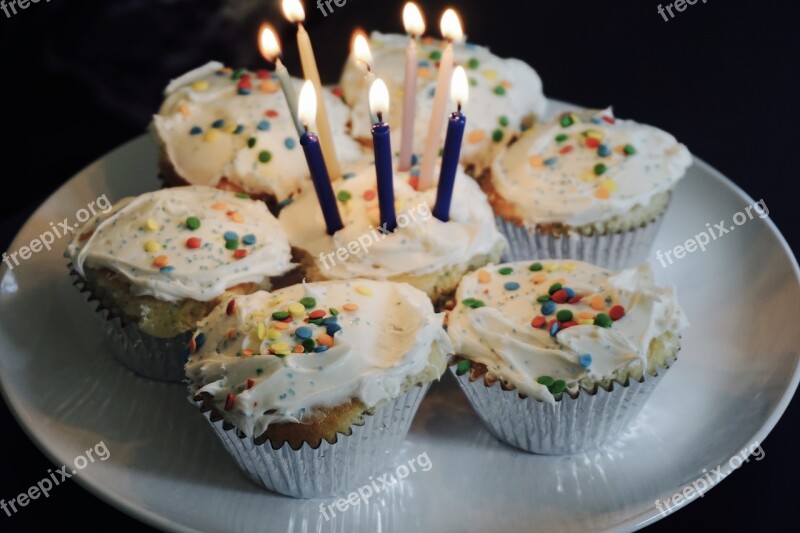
x,y
79,78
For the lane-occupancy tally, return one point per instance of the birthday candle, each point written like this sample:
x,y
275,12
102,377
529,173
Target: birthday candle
x,y
271,50
415,27
381,138
363,56
452,147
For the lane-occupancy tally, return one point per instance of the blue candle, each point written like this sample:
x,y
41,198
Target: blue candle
x,y
322,181
452,147
381,139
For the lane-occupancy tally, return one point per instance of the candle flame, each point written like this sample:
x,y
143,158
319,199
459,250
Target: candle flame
x,y
412,20
293,11
451,26
268,43
307,107
361,51
459,88
379,98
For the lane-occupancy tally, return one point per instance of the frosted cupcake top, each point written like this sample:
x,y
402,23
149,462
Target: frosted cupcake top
x,y
422,244
186,242
277,357
544,326
586,167
504,93
221,123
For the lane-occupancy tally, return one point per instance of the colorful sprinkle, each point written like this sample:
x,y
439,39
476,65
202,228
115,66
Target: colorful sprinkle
x,y
297,309
551,161
303,332
511,286
290,143
548,308
560,296
597,302
558,387
332,329
280,315
536,161
600,169
251,142
325,340
196,130
547,381
500,90
308,302
538,322
473,303
629,149
585,360
321,348
566,121
476,136
603,150
230,401
364,290
166,269
151,246
484,276
344,196
200,86
561,137
231,309
161,261
193,223
463,366
264,125
497,136
151,225
503,121
211,136
350,307
616,312
240,254
565,315
473,63
602,320
194,243
536,267
553,288
249,239
265,156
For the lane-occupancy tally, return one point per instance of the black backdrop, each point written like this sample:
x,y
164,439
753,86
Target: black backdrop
x,y
79,78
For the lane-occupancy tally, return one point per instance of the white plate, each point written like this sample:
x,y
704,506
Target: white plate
x,y
736,374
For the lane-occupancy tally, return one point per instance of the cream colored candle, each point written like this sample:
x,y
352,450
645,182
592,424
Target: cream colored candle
x,y
415,27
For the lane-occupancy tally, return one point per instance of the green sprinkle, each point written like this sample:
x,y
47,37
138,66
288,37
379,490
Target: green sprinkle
x,y
602,320
565,315
497,135
237,73
308,302
265,156
259,371
561,137
280,315
558,387
500,90
505,271
543,299
436,55
309,345
232,244
566,121
504,122
536,267
193,223
315,321
344,196
243,195
600,169
251,142
473,303
473,63
554,287
334,311
463,367
473,82
630,150
547,381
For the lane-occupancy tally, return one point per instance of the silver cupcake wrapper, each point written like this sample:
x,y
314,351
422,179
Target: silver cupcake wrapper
x,y
614,251
150,357
329,469
569,426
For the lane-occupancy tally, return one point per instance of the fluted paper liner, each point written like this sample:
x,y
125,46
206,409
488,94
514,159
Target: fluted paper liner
x,y
331,469
569,426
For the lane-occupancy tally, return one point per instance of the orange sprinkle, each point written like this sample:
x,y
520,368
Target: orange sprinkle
x,y
597,302
476,136
602,193
350,307
184,109
231,334
424,73
484,277
161,261
219,206
507,84
536,161
539,278
247,353
237,217
280,325
269,87
299,349
325,340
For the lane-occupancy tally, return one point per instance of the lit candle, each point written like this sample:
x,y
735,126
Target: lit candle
x,y
307,110
415,27
452,147
363,56
271,50
294,12
452,31
381,139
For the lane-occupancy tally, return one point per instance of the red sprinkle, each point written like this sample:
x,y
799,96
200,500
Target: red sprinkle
x,y
575,299
250,384
194,243
538,322
616,312
413,181
229,401
565,325
369,195
245,82
591,142
192,346
262,74
86,235
241,253
560,296
287,320
319,313
231,309
565,150
610,120
271,113
338,92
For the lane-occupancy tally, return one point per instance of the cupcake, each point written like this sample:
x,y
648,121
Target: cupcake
x,y
505,95
160,262
310,388
558,357
232,129
425,252
585,186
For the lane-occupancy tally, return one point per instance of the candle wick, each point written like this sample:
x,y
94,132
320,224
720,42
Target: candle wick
x,y
459,107
380,117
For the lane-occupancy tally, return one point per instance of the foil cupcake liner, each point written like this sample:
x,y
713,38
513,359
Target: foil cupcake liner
x,y
614,251
150,357
569,426
331,469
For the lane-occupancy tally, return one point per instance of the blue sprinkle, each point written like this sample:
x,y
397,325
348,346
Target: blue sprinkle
x,y
231,236
304,332
264,125
218,123
248,239
200,340
470,46
414,160
548,308
239,129
166,269
197,130
511,286
220,73
551,161
333,328
330,320
349,175
554,329
284,203
596,120
415,171
290,143
244,92
432,93
585,360
321,348
570,292
424,64
603,150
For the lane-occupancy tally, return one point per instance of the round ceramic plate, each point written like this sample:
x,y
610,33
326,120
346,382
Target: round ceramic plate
x,y
735,376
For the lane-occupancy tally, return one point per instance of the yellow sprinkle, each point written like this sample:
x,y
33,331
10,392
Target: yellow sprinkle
x,y
569,267
151,225
200,86
364,290
586,322
593,134
229,128
476,136
274,334
536,161
539,278
297,309
484,276
151,246
211,136
490,74
602,193
550,267
275,301
184,109
261,331
620,149
280,347
588,176
586,315
609,185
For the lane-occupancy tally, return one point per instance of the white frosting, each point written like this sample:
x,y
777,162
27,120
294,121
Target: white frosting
x,y
523,93
501,334
386,339
208,94
422,243
120,241
567,190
